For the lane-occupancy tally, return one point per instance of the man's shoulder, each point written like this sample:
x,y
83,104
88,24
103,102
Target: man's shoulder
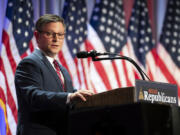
x,y
34,57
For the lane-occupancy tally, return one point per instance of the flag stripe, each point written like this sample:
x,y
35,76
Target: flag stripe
x,y
8,72
167,70
151,65
162,55
5,40
63,61
128,83
10,99
80,68
11,42
100,69
77,71
116,73
85,67
98,84
84,74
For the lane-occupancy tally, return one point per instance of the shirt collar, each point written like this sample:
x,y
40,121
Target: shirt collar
x,y
50,59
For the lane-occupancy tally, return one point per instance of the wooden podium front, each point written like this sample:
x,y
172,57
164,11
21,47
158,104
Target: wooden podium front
x,y
116,112
112,97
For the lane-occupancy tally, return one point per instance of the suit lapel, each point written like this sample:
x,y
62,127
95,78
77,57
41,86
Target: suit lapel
x,y
49,66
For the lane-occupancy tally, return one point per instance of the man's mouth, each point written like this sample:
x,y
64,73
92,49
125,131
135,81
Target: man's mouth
x,y
54,45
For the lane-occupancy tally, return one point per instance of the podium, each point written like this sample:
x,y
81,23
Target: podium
x,y
128,119
120,112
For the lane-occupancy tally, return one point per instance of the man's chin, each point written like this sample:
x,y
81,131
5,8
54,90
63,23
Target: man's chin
x,y
52,54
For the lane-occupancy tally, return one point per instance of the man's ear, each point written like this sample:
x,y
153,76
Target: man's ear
x,y
36,34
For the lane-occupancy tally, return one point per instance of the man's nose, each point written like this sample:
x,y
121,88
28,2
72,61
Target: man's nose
x,y
55,37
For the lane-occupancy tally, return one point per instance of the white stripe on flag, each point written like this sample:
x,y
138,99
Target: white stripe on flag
x,y
96,79
71,65
12,43
172,68
107,65
151,66
11,120
129,66
9,73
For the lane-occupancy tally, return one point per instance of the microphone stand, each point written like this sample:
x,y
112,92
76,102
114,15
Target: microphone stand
x,y
125,58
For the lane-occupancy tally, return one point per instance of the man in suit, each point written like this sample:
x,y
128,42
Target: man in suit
x,y
43,86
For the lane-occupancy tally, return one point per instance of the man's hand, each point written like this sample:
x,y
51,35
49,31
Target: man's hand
x,y
82,94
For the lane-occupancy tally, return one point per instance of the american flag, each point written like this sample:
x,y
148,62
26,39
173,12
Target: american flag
x,y
108,21
16,44
107,33
75,16
169,46
140,38
140,32
158,63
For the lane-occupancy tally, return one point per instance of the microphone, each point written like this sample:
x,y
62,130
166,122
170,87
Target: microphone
x,y
92,53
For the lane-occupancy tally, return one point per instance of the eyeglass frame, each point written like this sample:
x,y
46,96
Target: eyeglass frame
x,y
53,34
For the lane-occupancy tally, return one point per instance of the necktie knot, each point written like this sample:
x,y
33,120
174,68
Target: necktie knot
x,y
56,65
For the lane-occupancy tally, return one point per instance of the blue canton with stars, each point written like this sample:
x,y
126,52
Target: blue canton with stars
x,y
108,21
140,32
20,13
170,37
75,16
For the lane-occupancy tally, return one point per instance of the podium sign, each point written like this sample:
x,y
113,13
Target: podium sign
x,y
156,92
143,91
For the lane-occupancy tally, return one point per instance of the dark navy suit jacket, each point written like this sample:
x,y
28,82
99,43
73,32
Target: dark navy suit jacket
x,y
42,106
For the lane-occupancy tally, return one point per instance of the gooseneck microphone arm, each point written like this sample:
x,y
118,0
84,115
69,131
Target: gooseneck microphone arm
x,y
93,54
125,58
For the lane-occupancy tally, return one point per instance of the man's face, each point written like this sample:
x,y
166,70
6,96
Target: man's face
x,y
50,39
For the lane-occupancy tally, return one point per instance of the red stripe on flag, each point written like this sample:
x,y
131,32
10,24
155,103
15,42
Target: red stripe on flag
x,y
150,74
10,99
31,47
2,96
5,40
165,71
84,74
63,62
116,73
136,75
24,55
154,55
9,131
126,72
93,88
77,70
99,68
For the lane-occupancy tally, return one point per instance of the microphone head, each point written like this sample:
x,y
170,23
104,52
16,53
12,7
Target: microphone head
x,y
82,54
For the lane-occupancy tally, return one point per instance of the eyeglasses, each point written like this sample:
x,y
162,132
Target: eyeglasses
x,y
53,34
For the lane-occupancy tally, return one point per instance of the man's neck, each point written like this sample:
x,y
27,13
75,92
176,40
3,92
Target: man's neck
x,y
47,54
